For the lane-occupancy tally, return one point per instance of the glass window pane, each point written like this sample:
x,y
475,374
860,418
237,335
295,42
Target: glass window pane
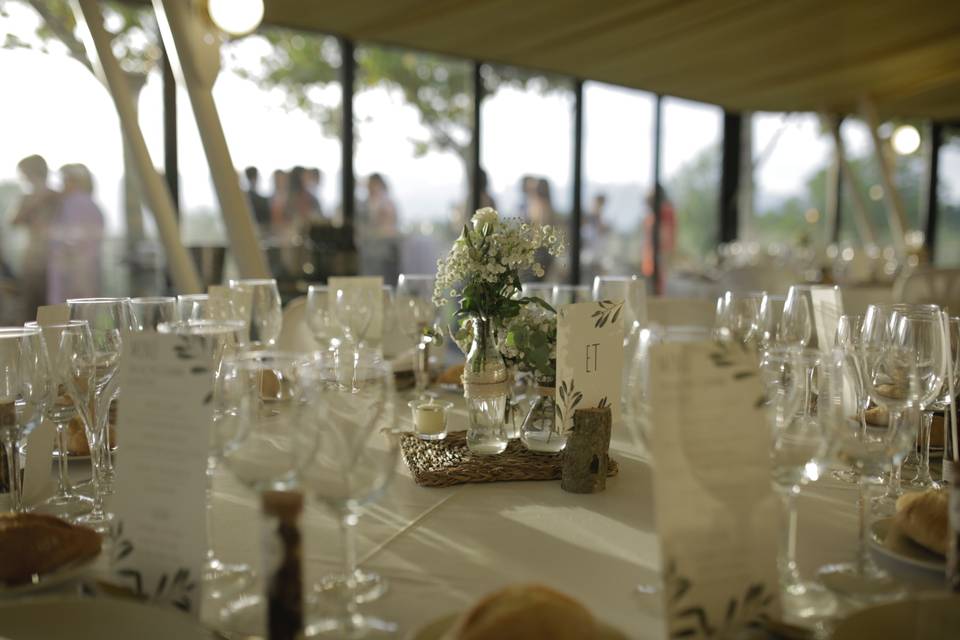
x,y
617,175
791,157
526,149
947,251
413,116
691,148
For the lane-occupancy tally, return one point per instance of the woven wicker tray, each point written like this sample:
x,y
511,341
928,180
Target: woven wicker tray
x,y
445,463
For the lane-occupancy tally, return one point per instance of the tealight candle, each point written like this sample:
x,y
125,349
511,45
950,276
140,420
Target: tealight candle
x,y
430,418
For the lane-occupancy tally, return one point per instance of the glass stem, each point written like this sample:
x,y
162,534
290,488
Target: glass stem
x,y
12,451
923,472
348,523
211,556
96,477
863,556
789,575
63,478
421,359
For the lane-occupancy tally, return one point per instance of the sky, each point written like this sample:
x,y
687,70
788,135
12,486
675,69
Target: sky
x,y
55,107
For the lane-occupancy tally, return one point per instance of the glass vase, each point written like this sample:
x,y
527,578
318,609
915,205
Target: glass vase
x,y
485,391
540,430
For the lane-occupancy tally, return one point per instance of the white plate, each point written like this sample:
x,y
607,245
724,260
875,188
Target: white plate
x,y
933,617
96,619
436,629
887,539
63,575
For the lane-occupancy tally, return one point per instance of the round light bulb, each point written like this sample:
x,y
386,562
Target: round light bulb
x,y
236,17
905,139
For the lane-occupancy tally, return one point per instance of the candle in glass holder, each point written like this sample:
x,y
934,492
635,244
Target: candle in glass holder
x,y
430,418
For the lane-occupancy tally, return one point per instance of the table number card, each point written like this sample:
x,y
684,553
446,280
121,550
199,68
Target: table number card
x,y
715,508
371,284
167,412
589,358
827,309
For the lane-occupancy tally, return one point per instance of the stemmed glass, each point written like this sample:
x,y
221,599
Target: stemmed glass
x,y
569,294
542,290
849,338
923,479
109,319
353,309
798,440
869,449
632,290
738,316
200,306
796,321
768,320
266,434
319,317
257,301
150,311
416,316
71,362
221,339
356,459
25,392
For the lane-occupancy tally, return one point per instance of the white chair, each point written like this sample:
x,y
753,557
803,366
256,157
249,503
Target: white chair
x,y
295,335
667,312
930,286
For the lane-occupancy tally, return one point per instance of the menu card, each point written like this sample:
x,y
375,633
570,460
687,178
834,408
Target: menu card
x,y
715,508
372,284
589,358
37,481
827,308
167,411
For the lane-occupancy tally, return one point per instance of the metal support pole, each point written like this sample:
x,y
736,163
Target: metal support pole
x,y
576,215
657,193
196,61
348,69
730,176
171,167
896,214
832,197
850,182
933,167
476,183
182,270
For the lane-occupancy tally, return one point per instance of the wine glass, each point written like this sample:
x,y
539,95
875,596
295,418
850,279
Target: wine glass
x,y
353,309
569,294
630,289
923,479
355,461
200,306
796,321
25,392
319,317
768,320
70,351
257,301
798,441
220,339
266,434
416,316
738,316
867,448
542,290
109,319
150,311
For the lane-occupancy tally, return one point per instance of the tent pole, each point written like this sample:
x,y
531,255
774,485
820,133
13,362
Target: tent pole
x,y
576,217
851,184
197,64
895,211
933,177
182,270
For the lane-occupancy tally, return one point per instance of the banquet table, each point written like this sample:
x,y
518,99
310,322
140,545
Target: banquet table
x,y
443,548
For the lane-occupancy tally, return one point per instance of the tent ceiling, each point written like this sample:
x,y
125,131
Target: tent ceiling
x,y
778,55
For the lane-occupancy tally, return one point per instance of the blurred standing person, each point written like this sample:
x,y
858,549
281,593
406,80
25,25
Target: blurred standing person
x,y
259,204
38,208
528,193
486,199
75,239
302,206
540,211
668,235
313,179
278,201
595,256
379,246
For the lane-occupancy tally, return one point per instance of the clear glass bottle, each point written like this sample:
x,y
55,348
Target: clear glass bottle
x,y
485,390
540,430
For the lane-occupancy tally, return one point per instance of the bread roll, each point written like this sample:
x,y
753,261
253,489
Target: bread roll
x,y
526,612
32,543
923,518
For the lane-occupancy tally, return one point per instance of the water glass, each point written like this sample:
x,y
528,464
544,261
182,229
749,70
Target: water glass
x,y
257,301
151,311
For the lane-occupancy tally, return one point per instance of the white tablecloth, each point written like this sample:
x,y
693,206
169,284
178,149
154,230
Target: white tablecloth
x,y
442,549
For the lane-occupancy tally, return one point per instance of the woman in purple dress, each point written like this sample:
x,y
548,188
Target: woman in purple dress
x,y
75,239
